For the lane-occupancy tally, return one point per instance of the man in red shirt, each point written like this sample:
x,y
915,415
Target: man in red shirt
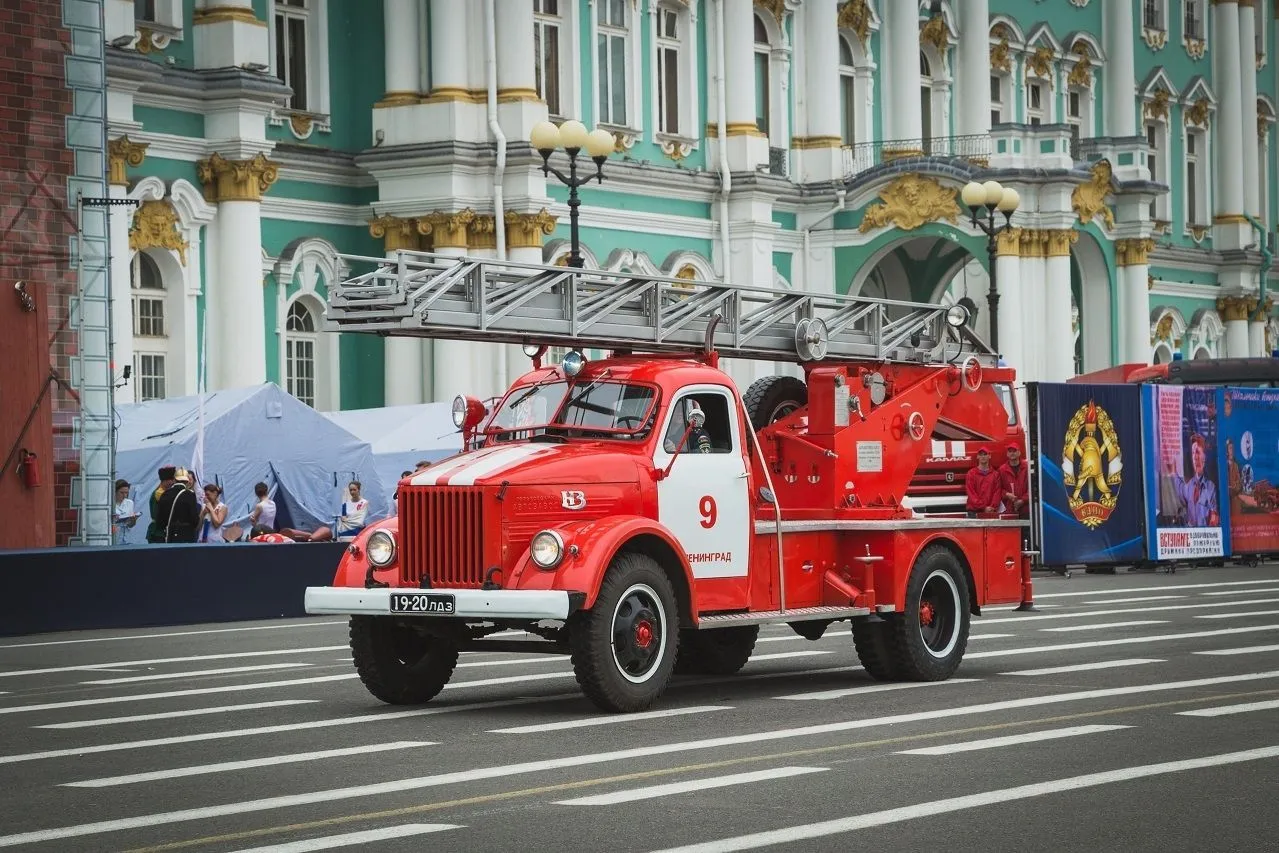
x,y
1015,483
983,485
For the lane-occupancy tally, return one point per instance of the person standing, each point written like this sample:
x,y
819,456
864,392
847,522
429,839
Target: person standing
x,y
166,476
212,514
123,518
263,514
983,486
1015,483
179,511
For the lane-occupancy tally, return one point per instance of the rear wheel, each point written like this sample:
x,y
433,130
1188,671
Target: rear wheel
x,y
771,398
874,649
624,647
396,663
927,641
720,651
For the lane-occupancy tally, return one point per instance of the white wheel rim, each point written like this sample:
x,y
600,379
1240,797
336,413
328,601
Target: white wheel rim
x,y
659,613
958,617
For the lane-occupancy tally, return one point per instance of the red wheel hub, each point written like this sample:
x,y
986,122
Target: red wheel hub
x,y
643,634
926,613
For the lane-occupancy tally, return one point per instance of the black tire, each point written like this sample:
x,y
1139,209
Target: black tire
x,y
624,648
928,641
721,651
396,663
874,649
770,398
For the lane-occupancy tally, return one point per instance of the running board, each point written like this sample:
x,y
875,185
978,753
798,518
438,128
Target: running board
x,y
799,614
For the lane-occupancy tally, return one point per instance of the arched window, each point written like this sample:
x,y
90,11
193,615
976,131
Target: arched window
x,y
1162,355
925,99
847,92
150,334
763,85
299,344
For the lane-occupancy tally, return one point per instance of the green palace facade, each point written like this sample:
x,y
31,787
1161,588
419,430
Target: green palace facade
x,y
814,144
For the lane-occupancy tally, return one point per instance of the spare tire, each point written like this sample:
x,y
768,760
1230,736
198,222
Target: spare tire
x,y
771,398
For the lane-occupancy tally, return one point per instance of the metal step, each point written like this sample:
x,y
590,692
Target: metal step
x,y
424,294
798,614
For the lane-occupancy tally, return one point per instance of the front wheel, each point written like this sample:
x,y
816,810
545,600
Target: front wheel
x,y
624,648
396,663
927,641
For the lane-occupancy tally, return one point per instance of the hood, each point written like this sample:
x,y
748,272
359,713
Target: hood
x,y
535,463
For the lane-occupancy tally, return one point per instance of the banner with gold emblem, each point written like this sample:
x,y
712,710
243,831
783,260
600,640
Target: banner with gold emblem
x,y
1185,500
1091,502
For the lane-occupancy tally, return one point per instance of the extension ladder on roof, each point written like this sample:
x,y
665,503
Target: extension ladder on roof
x,y
477,299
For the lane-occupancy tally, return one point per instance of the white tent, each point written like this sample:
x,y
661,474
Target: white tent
x,y
250,435
402,436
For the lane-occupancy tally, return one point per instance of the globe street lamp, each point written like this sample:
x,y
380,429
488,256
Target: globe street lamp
x,y
572,136
983,200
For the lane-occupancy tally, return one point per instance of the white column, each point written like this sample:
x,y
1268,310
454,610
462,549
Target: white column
x,y
235,301
519,107
403,358
403,52
819,144
449,46
901,50
1234,311
228,34
1031,287
1011,288
1133,266
1121,69
1228,83
1257,336
524,235
1248,96
747,146
972,79
453,372
1059,341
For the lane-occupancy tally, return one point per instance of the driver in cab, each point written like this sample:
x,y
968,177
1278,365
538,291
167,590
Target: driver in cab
x,y
689,419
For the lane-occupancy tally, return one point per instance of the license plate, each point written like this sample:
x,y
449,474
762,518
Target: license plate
x,y
423,602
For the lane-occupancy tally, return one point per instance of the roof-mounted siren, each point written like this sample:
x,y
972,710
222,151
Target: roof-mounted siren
x,y
812,338
535,352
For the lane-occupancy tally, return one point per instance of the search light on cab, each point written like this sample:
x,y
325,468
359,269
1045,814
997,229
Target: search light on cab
x,y
573,363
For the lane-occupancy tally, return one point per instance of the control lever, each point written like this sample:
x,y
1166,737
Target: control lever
x,y
855,406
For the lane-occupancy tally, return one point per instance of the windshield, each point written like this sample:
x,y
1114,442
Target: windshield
x,y
597,409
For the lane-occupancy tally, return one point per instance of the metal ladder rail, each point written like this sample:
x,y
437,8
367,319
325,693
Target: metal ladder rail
x,y
425,294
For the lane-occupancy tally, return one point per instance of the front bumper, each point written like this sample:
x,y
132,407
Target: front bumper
x,y
525,605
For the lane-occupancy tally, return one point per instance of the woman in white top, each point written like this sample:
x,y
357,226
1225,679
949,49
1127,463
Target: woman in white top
x,y
263,514
354,511
124,517
212,514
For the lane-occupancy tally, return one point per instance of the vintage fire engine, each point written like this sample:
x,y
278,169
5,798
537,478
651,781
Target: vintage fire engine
x,y
641,515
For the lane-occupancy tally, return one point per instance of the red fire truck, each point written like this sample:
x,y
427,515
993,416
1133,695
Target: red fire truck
x,y
639,514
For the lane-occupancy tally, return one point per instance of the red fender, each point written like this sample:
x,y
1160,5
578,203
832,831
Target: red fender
x,y
354,566
597,542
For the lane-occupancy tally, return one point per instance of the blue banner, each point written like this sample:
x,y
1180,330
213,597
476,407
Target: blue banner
x,y
1250,459
1092,504
1184,496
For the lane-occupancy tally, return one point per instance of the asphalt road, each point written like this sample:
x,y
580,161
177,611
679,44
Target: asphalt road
x,y
1134,712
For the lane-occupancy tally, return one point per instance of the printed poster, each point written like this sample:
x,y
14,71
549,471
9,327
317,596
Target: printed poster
x,y
1250,459
1092,504
1185,495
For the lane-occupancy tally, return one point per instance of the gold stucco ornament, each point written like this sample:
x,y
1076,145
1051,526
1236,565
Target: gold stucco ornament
x,y
911,201
155,226
1089,198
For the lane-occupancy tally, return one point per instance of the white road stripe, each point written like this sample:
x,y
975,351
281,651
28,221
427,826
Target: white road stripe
x,y
1082,614
606,720
1246,650
990,636
1244,591
354,839
871,688
650,792
1123,641
375,719
792,834
1095,592
1010,740
783,655
786,639
514,661
163,676
1085,667
171,715
99,667
249,764
507,771
172,634
1238,615
1231,709
1132,600
1106,625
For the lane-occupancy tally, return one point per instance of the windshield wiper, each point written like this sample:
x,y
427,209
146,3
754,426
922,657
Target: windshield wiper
x,y
530,392
589,387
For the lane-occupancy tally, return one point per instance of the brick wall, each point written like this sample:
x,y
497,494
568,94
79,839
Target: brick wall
x,y
36,230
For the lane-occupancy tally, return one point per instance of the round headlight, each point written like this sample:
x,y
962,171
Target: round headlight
x,y
957,316
573,363
547,549
380,548
459,411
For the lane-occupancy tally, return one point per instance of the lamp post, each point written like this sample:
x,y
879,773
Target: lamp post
x,y
572,136
983,201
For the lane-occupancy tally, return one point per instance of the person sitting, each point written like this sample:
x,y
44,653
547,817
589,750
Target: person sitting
x,y
982,485
323,533
264,534
353,513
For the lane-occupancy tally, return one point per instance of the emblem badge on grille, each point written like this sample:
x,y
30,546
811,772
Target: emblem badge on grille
x,y
573,500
